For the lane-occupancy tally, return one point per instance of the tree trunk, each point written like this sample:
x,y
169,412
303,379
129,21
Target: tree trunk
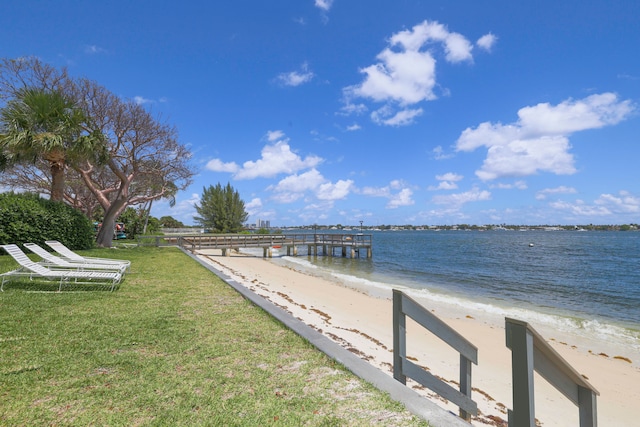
x,y
105,235
146,218
57,181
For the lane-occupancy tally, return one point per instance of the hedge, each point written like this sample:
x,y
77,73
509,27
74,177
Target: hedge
x,y
26,217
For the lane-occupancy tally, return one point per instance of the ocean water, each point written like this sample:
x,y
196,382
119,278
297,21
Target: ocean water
x,y
587,281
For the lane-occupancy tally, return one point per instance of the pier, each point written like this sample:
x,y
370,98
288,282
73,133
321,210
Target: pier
x,y
328,244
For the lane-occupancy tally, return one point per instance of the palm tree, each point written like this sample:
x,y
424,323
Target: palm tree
x,y
42,124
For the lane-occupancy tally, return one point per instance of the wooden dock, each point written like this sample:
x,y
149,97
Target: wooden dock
x,y
328,244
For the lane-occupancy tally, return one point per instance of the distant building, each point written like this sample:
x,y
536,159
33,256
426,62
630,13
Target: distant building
x,y
263,224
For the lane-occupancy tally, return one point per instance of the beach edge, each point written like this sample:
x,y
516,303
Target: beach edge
x,y
412,401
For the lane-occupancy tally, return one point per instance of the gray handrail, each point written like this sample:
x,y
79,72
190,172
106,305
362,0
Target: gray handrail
x,y
402,367
529,352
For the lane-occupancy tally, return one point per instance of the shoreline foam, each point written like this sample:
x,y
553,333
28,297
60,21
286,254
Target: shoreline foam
x,y
362,323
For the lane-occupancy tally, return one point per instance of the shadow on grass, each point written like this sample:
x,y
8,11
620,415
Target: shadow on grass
x,y
54,287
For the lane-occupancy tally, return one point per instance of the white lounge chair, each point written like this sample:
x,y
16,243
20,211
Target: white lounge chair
x,y
52,261
71,256
34,271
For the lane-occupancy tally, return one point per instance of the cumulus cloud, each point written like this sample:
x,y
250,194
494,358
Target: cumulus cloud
x,y
579,208
334,191
274,135
353,127
297,186
217,165
538,140
486,42
405,73
397,192
276,158
456,201
447,181
296,78
624,202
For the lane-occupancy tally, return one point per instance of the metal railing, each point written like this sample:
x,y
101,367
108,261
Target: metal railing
x,y
529,353
402,367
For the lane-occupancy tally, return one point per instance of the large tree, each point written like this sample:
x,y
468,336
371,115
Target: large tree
x,y
46,124
145,161
221,209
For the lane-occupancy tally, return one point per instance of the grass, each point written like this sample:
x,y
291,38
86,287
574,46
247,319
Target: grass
x,y
174,346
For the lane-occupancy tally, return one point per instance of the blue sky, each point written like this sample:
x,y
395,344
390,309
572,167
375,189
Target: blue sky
x,y
386,112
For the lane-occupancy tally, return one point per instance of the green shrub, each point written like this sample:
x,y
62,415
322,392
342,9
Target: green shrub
x,y
28,217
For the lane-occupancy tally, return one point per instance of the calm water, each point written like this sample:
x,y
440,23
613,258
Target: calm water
x,y
585,277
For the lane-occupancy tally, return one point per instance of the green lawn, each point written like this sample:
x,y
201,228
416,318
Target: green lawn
x,y
174,345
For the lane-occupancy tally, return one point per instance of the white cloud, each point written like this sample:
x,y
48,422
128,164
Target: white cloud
x,y
538,141
402,198
294,187
325,5
254,206
337,191
450,176
397,199
350,108
439,154
625,202
216,165
459,199
141,100
487,42
570,116
353,127
274,135
542,194
400,118
405,73
447,181
296,78
579,208
624,205
276,159
299,183
519,185
444,185
405,77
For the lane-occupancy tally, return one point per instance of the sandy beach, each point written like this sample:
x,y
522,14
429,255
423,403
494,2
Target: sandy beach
x,y
362,323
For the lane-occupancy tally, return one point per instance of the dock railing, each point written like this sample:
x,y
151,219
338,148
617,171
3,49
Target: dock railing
x,y
326,241
402,367
529,353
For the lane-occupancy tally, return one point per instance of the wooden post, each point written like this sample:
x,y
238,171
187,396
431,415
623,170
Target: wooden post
x,y
399,337
520,340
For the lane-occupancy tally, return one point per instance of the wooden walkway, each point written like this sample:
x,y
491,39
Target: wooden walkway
x,y
352,245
